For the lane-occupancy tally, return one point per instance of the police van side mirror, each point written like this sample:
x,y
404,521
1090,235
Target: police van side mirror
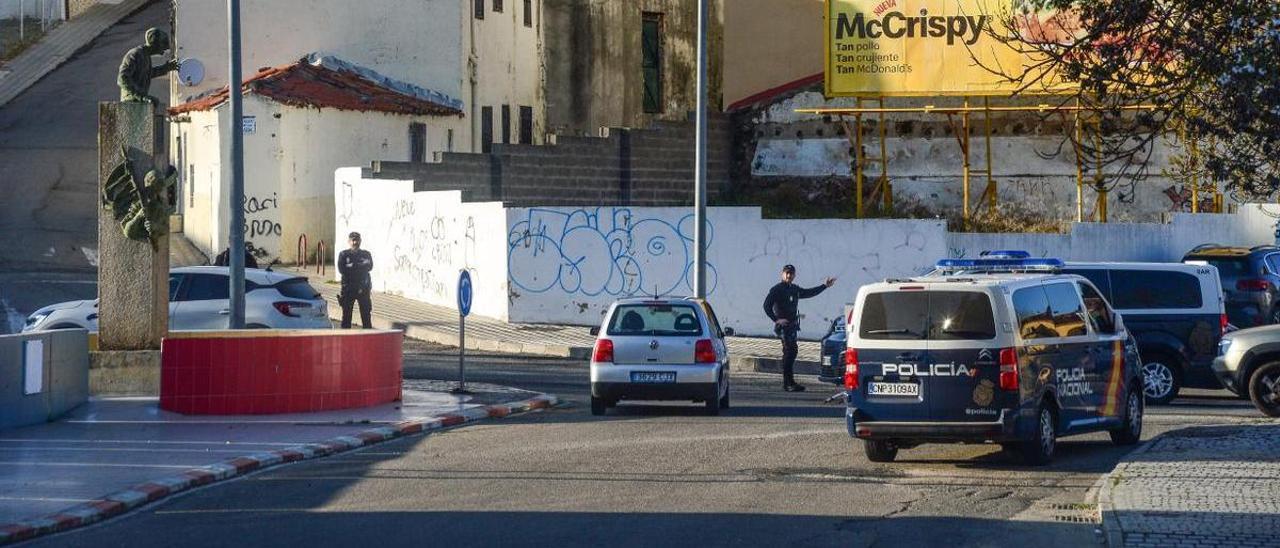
x,y
595,331
1118,322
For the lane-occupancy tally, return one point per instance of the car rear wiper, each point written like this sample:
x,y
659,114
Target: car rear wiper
x,y
891,332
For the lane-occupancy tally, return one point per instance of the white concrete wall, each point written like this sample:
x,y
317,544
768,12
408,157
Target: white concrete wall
x,y
204,200
416,41
565,265
421,241
312,143
568,264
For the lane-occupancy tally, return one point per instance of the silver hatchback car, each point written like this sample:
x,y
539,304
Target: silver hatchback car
x,y
660,349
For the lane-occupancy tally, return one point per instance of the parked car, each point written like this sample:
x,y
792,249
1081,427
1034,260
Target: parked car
x,y
660,349
831,368
1248,364
199,299
1000,349
1176,313
1250,280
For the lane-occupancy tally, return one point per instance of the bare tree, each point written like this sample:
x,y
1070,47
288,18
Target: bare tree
x,y
1208,70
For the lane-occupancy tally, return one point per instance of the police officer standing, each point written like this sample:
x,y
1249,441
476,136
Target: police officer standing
x,y
355,264
782,306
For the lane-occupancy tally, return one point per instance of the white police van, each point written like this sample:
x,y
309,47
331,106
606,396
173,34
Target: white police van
x,y
1001,349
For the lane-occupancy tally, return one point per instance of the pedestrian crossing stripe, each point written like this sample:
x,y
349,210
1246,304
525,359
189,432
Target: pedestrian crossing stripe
x,y
1111,407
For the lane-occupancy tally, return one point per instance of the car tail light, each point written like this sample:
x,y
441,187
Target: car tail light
x,y
603,352
1009,369
704,352
851,369
1253,285
1223,323
287,307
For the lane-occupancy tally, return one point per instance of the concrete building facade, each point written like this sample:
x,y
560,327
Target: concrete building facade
x,y
632,63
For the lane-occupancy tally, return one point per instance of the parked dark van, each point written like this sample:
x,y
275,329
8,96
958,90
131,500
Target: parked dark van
x,y
1176,313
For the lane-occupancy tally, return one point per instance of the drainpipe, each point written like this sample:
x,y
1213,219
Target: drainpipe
x,y
471,80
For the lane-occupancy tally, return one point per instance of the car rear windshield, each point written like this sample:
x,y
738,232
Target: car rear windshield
x,y
931,315
1227,268
656,319
297,288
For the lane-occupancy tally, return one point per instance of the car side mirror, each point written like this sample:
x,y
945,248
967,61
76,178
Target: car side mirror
x,y
595,331
1118,321
728,332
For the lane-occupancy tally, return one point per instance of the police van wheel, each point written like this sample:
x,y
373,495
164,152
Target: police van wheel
x,y
880,450
1039,450
1131,431
598,405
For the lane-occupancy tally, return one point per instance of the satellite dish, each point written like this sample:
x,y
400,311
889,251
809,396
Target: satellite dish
x,y
190,72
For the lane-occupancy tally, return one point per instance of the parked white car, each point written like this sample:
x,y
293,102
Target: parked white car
x,y
199,299
660,349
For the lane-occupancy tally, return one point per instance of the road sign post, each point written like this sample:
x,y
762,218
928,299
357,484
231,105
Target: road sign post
x,y
464,308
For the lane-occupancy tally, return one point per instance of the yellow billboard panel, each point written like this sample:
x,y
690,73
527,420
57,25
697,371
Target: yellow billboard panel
x,y
927,48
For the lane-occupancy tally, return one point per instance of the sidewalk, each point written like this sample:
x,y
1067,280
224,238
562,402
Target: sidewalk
x,y
112,455
439,324
59,45
1201,486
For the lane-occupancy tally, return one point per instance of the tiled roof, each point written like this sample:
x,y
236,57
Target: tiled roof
x,y
327,82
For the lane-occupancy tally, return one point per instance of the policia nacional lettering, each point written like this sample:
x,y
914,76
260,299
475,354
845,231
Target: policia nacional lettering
x,y
965,28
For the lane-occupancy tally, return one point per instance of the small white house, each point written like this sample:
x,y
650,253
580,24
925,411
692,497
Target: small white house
x,y
302,121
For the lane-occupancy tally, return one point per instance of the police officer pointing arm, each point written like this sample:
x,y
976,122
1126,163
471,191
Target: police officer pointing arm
x,y
782,306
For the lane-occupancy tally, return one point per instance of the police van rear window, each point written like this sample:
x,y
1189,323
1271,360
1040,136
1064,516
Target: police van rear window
x,y
927,315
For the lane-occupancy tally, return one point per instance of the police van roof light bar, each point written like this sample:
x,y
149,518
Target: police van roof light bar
x,y
992,264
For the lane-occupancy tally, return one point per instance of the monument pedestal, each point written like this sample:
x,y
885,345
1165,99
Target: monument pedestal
x,y
133,276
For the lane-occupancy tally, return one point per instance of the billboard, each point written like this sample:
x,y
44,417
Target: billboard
x,y
929,47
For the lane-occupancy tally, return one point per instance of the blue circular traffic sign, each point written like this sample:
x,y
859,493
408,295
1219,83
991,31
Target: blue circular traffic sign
x,y
464,293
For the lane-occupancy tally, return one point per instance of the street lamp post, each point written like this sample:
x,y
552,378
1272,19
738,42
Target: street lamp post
x,y
236,321
700,161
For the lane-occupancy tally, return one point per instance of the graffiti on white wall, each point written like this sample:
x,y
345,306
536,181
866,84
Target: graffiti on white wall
x,y
262,221
605,251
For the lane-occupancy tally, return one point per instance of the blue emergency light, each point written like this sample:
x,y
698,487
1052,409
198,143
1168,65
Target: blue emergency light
x,y
1000,261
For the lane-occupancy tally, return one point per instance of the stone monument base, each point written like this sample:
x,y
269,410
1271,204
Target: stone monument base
x,y
124,373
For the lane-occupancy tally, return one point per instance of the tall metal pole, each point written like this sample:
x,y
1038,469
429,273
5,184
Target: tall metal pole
x,y
700,169
237,168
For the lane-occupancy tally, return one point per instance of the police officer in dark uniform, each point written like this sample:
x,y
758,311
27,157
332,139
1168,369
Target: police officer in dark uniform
x,y
355,264
782,306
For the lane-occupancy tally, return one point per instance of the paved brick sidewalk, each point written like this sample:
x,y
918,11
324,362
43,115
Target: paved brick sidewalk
x,y
1201,486
439,324
59,45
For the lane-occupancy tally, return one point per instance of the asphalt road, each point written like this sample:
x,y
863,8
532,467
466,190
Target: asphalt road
x,y
776,469
49,170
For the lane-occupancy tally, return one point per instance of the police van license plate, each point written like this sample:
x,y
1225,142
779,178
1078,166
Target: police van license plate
x,y
653,377
893,389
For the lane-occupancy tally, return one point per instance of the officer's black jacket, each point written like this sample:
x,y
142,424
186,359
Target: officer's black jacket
x,y
783,300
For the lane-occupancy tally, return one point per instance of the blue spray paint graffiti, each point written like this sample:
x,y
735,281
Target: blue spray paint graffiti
x,y
603,251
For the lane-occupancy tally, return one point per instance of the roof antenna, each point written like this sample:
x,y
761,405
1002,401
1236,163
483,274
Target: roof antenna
x,y
655,292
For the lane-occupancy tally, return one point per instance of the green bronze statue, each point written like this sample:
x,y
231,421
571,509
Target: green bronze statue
x,y
141,209
136,71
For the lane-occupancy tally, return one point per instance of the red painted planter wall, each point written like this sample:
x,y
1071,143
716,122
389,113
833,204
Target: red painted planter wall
x,y
245,373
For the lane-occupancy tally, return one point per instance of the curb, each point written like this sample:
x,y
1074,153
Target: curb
x,y
1111,530
139,495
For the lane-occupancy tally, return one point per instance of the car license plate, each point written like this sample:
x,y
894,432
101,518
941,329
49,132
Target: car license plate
x,y
653,377
893,389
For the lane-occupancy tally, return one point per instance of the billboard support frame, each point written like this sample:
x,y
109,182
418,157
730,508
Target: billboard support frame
x,y
989,196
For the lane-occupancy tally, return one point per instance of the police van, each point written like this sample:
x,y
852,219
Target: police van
x,y
1000,349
